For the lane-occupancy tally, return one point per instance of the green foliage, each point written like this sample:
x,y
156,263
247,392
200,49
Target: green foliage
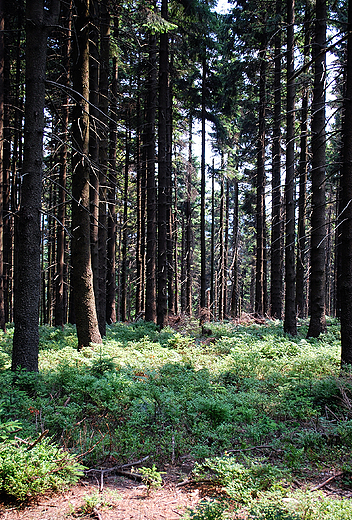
x,y
241,483
167,395
208,511
273,513
29,470
151,477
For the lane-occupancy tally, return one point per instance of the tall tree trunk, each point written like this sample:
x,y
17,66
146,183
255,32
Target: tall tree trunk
x,y
103,161
150,302
260,186
346,210
112,232
212,244
6,168
189,233
94,134
60,311
221,239
276,222
234,267
27,281
2,63
290,325
301,308
317,322
226,243
82,276
123,278
171,195
202,195
163,181
139,176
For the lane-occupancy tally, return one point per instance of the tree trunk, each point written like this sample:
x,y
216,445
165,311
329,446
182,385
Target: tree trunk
x,y
60,310
290,325
2,62
111,250
27,280
82,276
221,239
346,210
301,308
260,185
123,279
103,161
163,181
189,233
276,223
212,244
234,267
317,322
202,195
150,303
94,133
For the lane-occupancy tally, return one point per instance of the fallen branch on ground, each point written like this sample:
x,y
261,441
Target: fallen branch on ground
x,y
119,471
339,474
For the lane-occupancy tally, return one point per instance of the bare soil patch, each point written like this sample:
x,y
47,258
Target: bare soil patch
x,y
121,499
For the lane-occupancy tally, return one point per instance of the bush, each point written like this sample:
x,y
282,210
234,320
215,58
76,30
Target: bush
x,y
28,470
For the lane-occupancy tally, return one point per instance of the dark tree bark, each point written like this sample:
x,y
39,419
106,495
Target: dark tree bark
x,y
202,195
276,222
163,174
28,233
103,161
260,187
123,277
222,246
234,267
111,249
140,217
290,325
2,63
188,216
317,322
60,307
212,244
346,210
6,168
82,276
150,302
226,243
94,134
301,307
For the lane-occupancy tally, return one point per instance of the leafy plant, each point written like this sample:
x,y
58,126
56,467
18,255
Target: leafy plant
x,y
151,477
28,470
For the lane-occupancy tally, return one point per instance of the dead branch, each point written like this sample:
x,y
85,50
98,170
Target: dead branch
x,y
119,471
41,436
339,474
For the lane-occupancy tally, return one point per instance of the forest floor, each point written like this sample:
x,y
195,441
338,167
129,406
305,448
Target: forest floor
x,y
121,499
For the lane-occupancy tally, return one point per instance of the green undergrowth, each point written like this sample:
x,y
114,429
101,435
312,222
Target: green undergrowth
x,y
250,395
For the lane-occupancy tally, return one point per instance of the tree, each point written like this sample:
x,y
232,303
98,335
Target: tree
x,y
276,221
260,289
317,322
163,174
150,302
290,307
346,210
82,276
39,20
302,175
